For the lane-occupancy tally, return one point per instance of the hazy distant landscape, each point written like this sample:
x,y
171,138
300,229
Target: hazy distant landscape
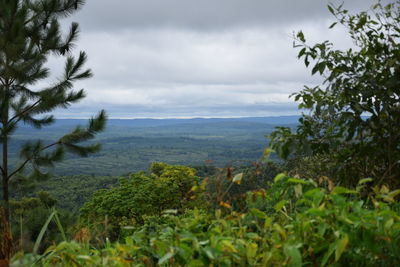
x,y
132,145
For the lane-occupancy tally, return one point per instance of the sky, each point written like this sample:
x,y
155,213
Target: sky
x,y
190,58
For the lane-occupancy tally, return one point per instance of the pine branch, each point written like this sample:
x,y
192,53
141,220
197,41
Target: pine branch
x,y
30,158
20,115
38,123
64,10
96,125
18,169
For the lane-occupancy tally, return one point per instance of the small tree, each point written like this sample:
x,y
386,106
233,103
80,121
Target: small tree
x,y
353,122
140,195
29,33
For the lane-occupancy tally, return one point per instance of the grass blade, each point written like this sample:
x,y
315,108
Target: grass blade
x,y
41,234
59,224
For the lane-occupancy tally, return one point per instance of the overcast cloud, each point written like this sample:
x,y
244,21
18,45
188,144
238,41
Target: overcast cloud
x,y
190,58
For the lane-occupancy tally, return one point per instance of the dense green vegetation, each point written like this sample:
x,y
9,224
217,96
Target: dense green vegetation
x,y
28,216
82,186
352,121
296,222
166,187
132,145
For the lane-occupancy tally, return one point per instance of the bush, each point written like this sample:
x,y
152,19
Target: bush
x,y
351,122
298,223
141,195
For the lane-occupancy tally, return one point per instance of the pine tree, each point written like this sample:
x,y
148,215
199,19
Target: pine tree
x,y
30,32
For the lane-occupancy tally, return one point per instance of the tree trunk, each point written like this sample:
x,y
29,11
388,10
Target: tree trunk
x,y
5,179
6,243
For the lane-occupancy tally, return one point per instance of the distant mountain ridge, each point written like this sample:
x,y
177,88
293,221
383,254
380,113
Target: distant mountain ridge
x,y
279,120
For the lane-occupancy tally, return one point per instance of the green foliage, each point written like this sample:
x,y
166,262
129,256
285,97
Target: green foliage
x,y
27,218
222,186
140,195
46,199
82,186
354,117
304,224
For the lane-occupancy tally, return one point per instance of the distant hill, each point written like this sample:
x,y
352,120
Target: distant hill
x,y
279,120
163,122
131,145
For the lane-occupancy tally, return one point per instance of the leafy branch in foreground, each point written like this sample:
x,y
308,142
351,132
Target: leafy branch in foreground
x,y
353,119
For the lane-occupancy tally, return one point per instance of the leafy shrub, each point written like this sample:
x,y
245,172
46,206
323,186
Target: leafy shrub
x,y
351,121
140,195
299,223
27,218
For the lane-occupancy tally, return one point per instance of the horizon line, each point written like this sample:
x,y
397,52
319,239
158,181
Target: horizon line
x,y
181,118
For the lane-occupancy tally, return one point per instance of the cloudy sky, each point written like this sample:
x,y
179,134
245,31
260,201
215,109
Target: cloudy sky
x,y
191,58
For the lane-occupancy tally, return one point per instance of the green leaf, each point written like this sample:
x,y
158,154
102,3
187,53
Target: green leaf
x,y
315,69
279,177
313,192
331,10
394,193
298,190
341,246
208,252
266,154
332,25
165,258
316,212
251,250
297,181
389,224
321,67
306,61
300,35
252,236
258,213
294,254
185,251
280,205
302,52
228,245
342,190
195,263
328,254
365,180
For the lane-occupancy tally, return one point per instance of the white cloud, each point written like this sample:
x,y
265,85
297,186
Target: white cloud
x,y
205,15
182,58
